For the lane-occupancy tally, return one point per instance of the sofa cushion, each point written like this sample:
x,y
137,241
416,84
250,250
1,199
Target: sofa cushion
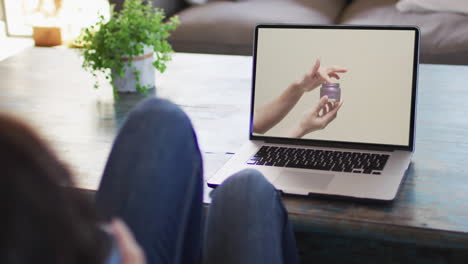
x,y
444,36
227,27
454,6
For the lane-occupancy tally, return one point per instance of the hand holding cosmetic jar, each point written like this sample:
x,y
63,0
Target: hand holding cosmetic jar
x,y
332,90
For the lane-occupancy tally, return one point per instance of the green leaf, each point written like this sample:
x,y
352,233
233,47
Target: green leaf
x,y
137,25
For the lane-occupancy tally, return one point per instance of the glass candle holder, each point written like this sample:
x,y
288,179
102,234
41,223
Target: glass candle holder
x,y
332,90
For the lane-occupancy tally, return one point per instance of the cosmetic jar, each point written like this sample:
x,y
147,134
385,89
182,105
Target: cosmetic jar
x,y
332,90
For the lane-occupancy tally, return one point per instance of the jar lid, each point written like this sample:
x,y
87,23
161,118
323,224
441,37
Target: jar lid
x,y
331,85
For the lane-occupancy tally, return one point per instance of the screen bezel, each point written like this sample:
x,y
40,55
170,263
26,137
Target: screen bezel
x,y
341,144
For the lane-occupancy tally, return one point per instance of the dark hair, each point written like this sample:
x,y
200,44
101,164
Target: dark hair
x,y
42,219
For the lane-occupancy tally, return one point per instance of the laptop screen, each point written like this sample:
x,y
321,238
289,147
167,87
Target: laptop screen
x,y
338,84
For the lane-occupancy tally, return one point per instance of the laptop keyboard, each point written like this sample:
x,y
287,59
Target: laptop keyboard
x,y
353,162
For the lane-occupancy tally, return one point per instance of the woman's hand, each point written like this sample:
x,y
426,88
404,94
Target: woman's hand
x,y
319,75
318,118
130,251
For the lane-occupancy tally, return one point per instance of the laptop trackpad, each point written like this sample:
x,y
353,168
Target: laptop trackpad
x,y
302,182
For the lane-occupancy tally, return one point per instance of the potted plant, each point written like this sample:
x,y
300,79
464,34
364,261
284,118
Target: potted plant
x,y
128,47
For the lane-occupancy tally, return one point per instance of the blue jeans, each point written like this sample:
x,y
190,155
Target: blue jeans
x,y
153,180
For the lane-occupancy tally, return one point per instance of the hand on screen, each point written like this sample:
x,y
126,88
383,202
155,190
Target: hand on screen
x,y
319,75
318,118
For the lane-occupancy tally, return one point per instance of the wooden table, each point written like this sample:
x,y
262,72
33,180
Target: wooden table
x,y
47,87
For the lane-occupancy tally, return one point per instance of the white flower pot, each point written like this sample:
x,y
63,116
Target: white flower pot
x,y
144,64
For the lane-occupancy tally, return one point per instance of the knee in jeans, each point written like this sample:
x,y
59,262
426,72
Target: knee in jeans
x,y
250,174
160,108
156,105
251,179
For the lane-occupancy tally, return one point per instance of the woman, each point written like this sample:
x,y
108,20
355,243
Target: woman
x,y
42,219
157,192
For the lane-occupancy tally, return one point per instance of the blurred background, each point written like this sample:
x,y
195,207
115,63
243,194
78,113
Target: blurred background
x,y
24,23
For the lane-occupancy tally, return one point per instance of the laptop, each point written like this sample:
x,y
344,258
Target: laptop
x,y
332,110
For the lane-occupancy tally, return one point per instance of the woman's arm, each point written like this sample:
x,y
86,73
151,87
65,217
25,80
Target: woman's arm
x,y
270,114
317,118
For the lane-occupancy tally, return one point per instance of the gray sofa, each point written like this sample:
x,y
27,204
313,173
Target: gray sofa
x,y
226,27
